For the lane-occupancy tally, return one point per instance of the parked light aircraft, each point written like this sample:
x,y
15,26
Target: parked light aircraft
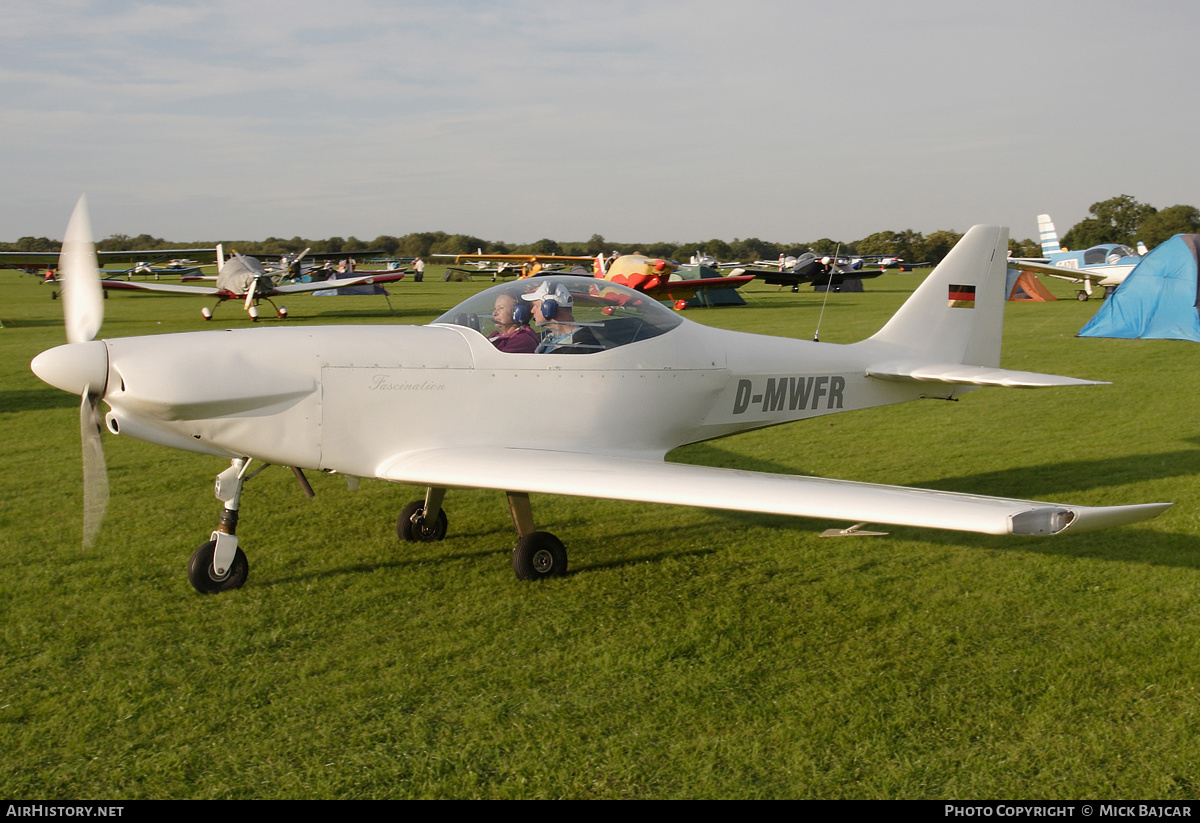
x,y
1106,265
246,279
821,271
509,265
39,261
302,397
708,261
662,278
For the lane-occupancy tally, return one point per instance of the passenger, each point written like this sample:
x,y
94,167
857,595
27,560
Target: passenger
x,y
512,326
561,334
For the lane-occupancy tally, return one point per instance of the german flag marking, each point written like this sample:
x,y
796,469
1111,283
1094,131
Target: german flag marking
x,y
961,297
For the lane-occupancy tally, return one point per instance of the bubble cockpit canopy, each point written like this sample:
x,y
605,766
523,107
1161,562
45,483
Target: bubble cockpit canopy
x,y
614,314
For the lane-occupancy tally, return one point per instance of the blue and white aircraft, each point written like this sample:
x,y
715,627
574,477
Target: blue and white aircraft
x,y
1106,265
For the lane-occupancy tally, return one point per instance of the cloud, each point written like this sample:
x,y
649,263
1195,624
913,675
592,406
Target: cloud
x,y
518,120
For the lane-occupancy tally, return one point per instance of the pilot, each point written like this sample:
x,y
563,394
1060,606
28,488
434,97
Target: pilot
x,y
561,333
512,326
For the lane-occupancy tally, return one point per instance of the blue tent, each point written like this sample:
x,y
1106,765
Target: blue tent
x,y
1158,299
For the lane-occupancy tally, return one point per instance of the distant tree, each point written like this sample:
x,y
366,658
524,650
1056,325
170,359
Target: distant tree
x,y
35,244
753,249
114,242
386,244
882,242
827,246
936,246
1115,220
1024,248
459,244
1165,224
663,250
596,244
718,249
418,244
545,246
331,246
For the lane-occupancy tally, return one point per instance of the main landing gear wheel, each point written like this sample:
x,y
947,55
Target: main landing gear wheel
x,y
205,581
539,555
412,528
1082,297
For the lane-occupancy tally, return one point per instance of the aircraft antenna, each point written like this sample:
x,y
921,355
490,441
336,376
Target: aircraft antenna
x,y
828,286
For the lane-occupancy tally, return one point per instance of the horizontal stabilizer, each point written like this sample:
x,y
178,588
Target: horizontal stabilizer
x,y
964,374
654,481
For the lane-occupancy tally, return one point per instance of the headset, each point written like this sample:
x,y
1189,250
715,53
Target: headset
x,y
521,314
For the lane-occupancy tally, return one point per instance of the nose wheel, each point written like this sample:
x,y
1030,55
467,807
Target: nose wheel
x,y
219,564
203,576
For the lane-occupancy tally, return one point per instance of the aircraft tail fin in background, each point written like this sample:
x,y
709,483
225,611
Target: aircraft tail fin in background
x,y
957,314
1047,235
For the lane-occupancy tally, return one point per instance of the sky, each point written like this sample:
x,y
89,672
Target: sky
x,y
515,120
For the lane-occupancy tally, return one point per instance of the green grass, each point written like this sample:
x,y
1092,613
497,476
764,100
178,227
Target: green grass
x,y
689,653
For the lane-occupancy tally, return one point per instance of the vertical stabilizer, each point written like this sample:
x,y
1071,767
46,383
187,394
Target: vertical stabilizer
x,y
957,314
1048,235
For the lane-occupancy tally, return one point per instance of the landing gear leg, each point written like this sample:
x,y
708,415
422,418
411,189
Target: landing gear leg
x,y
220,565
537,555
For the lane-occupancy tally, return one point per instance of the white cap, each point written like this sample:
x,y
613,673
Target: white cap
x,y
549,290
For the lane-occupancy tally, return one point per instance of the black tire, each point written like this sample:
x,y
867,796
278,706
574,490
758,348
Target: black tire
x,y
1082,297
539,555
412,528
202,578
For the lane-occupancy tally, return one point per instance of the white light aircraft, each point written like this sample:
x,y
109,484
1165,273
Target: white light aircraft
x,y
302,397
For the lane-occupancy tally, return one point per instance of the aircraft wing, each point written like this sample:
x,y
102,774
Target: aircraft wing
x,y
635,479
170,288
518,258
775,277
682,289
1074,275
341,282
50,258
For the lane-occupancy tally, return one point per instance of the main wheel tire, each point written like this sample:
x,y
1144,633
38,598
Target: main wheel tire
x,y
1082,297
412,528
539,555
204,579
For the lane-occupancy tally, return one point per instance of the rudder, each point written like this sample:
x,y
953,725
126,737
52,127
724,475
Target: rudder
x,y
957,314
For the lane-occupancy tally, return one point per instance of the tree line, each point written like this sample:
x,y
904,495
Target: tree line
x,y
1119,219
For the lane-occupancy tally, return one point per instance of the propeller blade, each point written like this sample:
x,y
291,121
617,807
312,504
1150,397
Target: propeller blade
x,y
79,270
95,475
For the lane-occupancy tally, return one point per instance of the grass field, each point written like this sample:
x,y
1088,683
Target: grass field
x,y
689,653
